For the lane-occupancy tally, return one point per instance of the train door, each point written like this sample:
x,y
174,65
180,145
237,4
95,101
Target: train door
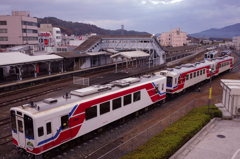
x,y
55,130
48,132
21,136
66,131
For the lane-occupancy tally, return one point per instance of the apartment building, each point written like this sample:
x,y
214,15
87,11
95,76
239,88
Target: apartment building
x,y
18,29
236,42
173,38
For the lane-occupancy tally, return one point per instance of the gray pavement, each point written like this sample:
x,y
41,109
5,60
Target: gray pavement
x,y
219,139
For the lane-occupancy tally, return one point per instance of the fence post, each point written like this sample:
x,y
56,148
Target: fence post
x,y
132,144
160,126
171,119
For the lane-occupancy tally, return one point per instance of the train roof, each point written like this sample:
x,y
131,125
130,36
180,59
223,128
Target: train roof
x,y
62,101
193,66
186,67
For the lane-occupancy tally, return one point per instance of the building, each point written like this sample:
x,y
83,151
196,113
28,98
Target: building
x,y
236,42
18,29
45,40
192,40
174,38
55,33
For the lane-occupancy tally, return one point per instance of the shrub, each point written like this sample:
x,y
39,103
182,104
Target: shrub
x,y
167,142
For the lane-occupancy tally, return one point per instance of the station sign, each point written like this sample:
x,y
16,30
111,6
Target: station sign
x,y
80,37
44,34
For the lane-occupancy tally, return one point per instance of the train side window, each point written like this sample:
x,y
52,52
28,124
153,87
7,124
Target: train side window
x,y
49,128
64,122
104,107
116,103
194,74
127,99
13,121
203,71
200,72
20,126
91,112
197,73
190,75
183,78
40,132
175,80
162,87
136,96
187,77
178,79
156,90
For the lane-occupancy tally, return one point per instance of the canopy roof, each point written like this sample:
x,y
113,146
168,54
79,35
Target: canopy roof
x,y
18,58
130,54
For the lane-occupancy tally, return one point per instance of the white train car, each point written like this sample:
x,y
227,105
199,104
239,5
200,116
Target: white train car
x,y
182,77
41,126
211,55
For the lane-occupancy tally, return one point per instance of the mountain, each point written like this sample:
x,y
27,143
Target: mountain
x,y
158,34
77,28
226,32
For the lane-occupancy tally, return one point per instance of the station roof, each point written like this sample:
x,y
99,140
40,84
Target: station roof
x,y
93,39
73,54
18,58
130,54
179,48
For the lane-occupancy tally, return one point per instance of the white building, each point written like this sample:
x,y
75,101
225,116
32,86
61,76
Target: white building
x,y
174,38
55,33
236,42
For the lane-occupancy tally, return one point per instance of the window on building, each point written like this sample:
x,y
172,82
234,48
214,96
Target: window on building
x,y
3,30
29,23
3,38
30,38
3,22
40,132
136,96
91,112
29,31
49,128
116,103
104,107
64,122
127,99
58,32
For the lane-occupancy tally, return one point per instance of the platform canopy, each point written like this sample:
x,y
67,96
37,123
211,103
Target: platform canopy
x,y
18,58
130,54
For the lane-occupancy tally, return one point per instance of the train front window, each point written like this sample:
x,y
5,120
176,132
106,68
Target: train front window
x,y
211,56
28,123
169,81
205,55
13,120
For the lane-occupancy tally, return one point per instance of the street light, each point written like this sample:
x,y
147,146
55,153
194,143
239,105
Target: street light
x,y
210,89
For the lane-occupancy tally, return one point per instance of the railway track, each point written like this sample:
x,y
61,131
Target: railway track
x,y
28,97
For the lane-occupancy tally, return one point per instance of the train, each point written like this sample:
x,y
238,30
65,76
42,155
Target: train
x,y
226,52
38,127
210,55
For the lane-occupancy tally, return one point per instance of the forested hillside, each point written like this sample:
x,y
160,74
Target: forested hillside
x,y
82,28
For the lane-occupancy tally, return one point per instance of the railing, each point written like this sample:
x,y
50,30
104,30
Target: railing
x,y
144,136
81,81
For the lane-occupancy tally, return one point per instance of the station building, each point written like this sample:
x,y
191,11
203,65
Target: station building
x,y
18,29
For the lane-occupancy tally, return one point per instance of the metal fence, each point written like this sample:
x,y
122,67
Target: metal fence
x,y
144,136
81,81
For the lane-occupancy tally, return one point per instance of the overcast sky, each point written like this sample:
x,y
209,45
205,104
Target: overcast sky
x,y
153,16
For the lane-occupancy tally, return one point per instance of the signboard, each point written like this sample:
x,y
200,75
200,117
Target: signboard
x,y
80,37
210,92
45,41
37,68
44,34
